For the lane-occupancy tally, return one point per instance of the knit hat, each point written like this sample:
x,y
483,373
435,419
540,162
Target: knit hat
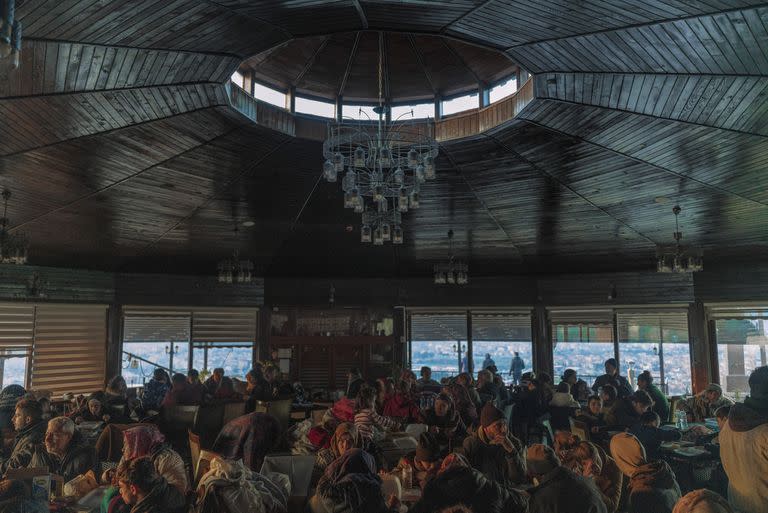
x,y
490,414
714,387
541,460
628,452
702,501
428,448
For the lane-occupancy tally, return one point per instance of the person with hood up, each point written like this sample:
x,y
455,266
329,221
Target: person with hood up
x,y
652,486
463,402
349,485
30,433
64,452
400,404
493,451
145,491
425,461
444,422
558,489
744,447
457,483
702,501
591,461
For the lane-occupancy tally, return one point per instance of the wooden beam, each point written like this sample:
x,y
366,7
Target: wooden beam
x,y
361,13
350,60
462,16
285,31
461,60
420,58
310,61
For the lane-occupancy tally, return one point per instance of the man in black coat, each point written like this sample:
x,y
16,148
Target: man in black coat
x,y
64,452
30,430
558,489
612,377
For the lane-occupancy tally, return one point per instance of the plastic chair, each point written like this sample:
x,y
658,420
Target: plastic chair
x,y
232,411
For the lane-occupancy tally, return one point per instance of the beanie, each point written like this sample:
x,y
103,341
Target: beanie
x,y
428,448
490,414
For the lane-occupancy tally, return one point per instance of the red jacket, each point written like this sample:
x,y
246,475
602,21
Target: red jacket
x,y
401,406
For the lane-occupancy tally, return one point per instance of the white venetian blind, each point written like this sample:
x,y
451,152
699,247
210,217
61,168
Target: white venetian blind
x,y
671,327
69,350
17,327
223,325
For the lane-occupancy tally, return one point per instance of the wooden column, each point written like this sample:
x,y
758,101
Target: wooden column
x,y
290,100
542,340
261,347
702,361
438,107
114,340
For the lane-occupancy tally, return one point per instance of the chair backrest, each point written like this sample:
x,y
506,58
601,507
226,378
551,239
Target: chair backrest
x,y
179,418
580,429
233,411
559,416
208,424
281,410
194,450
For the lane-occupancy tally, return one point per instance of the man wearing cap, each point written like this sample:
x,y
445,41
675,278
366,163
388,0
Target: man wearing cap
x,y
702,406
493,451
425,462
558,489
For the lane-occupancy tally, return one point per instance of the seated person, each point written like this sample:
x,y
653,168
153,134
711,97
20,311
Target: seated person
x,y
660,401
155,390
8,399
626,412
119,399
350,484
493,451
590,460
258,389
712,440
225,392
344,438
142,488
182,393
703,406
486,388
444,422
355,382
425,461
565,442
426,379
367,421
280,389
30,433
562,397
250,438
609,396
193,379
64,452
93,411
212,383
648,432
464,404
401,404
593,416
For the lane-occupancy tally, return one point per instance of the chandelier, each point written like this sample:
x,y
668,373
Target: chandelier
x,y
676,258
235,270
383,165
452,272
13,246
10,32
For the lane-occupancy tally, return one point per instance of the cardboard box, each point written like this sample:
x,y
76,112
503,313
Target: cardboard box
x,y
299,472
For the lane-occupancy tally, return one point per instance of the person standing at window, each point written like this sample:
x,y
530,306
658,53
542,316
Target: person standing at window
x,y
516,368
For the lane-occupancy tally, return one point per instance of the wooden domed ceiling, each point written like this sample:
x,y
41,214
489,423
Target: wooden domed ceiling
x,y
123,152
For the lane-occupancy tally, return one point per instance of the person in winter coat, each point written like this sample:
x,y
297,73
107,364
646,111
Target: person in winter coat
x,y
702,501
744,447
626,412
30,432
142,488
660,401
612,377
425,461
591,461
400,404
493,451
703,406
182,393
249,438
64,451
464,404
648,432
558,489
155,390
8,399
465,380
652,486
15,497
444,421
146,441
457,483
349,485
344,438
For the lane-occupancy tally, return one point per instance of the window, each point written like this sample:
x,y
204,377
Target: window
x,y
582,340
154,341
16,338
235,359
503,89
362,112
460,103
315,107
742,345
439,341
656,342
420,111
238,79
501,336
269,95
13,367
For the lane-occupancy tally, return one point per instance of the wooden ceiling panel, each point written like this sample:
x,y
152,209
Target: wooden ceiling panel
x,y
418,16
282,66
300,17
326,76
449,73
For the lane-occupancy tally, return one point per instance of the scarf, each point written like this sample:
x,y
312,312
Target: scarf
x,y
140,440
352,480
628,453
341,430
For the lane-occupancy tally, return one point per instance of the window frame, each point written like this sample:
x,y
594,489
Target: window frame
x,y
284,92
315,99
470,93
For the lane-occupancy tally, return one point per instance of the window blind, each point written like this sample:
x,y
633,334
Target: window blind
x,y
222,325
672,327
501,327
156,327
574,317
439,327
69,349
17,327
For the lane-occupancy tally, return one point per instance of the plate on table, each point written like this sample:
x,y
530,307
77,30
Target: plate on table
x,y
691,451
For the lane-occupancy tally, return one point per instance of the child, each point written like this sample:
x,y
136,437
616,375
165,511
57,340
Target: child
x,y
648,432
593,415
366,418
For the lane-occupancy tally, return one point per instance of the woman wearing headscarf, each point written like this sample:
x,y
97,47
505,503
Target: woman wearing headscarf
x,y
464,404
344,438
444,422
465,379
702,501
652,486
589,460
349,485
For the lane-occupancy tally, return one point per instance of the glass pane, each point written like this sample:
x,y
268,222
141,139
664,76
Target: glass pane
x,y
460,103
420,111
315,107
364,112
238,79
741,347
503,89
236,361
14,371
582,347
138,373
269,95
439,342
499,337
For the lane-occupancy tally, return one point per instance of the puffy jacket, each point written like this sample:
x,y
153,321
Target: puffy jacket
x,y
24,446
494,461
562,491
163,498
653,489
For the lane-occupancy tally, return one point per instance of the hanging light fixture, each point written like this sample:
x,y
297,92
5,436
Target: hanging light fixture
x,y
386,164
14,247
10,32
235,269
677,258
453,271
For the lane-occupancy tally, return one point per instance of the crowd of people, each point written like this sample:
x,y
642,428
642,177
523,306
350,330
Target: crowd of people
x,y
481,446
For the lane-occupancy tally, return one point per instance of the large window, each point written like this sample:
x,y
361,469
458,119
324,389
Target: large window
x,y
13,367
656,342
269,95
315,107
154,341
415,111
582,341
439,341
362,112
460,104
742,345
499,337
238,79
16,339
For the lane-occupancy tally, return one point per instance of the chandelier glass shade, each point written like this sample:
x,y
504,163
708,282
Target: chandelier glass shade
x,y
14,247
381,167
235,270
676,258
453,271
